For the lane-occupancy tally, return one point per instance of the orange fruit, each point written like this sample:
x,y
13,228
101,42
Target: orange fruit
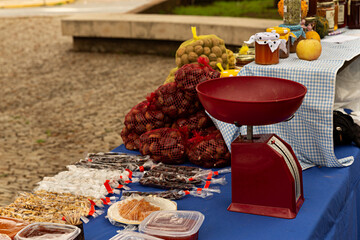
x,y
312,35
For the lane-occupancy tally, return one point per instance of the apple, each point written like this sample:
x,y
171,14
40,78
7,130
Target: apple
x,y
308,49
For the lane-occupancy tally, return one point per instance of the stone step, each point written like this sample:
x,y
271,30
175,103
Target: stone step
x,y
145,29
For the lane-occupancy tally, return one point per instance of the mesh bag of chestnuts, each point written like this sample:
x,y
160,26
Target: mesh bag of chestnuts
x,y
190,75
175,102
209,151
196,122
166,145
142,118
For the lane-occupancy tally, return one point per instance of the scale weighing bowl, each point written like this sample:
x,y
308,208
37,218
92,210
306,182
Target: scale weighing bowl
x,y
251,100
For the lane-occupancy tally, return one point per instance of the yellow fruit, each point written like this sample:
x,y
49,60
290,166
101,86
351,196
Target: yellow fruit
x,y
308,49
312,35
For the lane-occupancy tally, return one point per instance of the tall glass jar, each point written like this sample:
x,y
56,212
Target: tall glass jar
x,y
336,5
292,11
353,14
312,5
342,13
327,10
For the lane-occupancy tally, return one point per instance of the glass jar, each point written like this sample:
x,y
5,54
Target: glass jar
x,y
342,13
311,21
327,10
242,60
312,5
299,35
353,14
284,34
292,11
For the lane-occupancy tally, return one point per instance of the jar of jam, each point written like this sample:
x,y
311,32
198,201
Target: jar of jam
x,y
353,14
327,10
342,13
298,35
267,45
284,34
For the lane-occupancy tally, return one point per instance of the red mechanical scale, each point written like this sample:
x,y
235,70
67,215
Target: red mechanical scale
x,y
266,175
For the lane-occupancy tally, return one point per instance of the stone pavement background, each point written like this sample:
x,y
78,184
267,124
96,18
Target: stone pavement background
x,y
56,104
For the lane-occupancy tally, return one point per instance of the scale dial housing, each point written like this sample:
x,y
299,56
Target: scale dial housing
x,y
266,177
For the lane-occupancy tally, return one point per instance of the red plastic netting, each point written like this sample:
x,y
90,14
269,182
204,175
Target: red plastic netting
x,y
196,122
165,145
208,151
175,102
190,75
142,118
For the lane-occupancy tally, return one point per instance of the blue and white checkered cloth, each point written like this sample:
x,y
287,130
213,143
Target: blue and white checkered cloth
x,y
310,132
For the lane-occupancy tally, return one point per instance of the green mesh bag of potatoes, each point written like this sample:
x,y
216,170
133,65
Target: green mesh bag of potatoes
x,y
210,47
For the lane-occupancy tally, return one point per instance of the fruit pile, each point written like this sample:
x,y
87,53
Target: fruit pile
x,y
162,125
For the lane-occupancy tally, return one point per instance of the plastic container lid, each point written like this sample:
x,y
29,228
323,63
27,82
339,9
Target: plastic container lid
x,y
48,231
134,236
174,224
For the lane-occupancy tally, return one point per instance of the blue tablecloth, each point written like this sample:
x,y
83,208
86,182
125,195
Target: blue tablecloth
x,y
310,131
330,209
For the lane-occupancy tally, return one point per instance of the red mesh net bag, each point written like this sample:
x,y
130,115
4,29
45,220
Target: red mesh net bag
x,y
164,145
175,102
208,151
190,75
142,118
196,122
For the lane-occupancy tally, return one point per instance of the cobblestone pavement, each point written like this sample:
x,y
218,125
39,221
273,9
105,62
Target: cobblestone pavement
x,y
56,104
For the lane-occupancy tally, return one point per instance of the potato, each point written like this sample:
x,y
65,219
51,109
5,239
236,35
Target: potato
x,y
219,60
180,51
221,42
207,51
217,51
212,57
215,41
224,57
207,42
178,61
223,48
198,43
192,56
213,64
198,50
189,49
184,59
206,58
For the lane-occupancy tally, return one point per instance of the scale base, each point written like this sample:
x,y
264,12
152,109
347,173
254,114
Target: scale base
x,y
266,177
265,210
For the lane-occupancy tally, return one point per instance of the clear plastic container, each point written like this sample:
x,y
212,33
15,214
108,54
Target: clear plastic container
x,y
173,225
48,231
133,236
11,226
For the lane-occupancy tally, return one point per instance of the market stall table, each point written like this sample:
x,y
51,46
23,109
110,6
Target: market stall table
x,y
331,194
330,210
